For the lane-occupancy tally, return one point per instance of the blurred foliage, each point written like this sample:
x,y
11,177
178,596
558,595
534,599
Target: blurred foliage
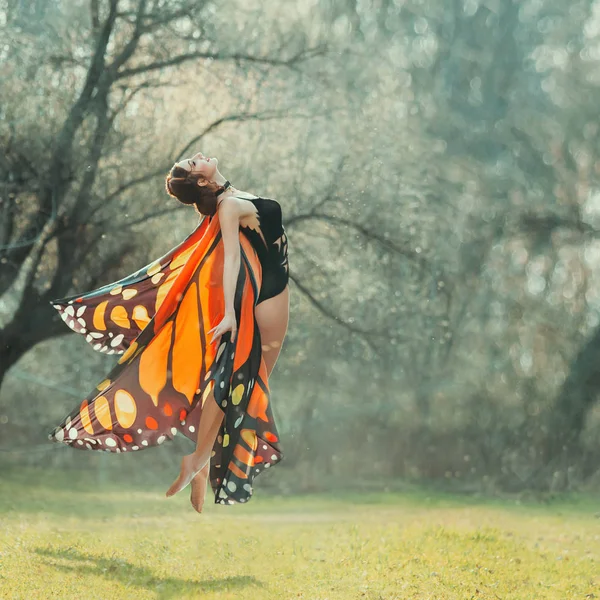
x,y
438,166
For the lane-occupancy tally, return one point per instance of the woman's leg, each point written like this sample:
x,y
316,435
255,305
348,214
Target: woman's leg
x,y
208,428
195,463
272,317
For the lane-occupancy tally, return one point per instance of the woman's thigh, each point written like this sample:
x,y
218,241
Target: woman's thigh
x,y
272,316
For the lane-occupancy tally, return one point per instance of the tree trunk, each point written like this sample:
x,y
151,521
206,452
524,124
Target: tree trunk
x,y
561,451
9,355
34,322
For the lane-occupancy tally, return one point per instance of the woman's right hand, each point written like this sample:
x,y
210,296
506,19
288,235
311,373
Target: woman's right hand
x,y
228,323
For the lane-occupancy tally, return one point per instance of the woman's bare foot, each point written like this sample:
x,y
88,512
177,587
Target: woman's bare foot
x,y
189,469
199,488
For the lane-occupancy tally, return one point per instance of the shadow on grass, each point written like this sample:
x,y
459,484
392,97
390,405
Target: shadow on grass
x,y
69,560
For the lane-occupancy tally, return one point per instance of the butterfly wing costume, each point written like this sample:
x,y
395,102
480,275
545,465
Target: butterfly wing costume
x,y
158,319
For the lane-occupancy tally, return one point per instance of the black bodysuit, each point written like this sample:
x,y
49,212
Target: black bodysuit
x,y
270,243
268,238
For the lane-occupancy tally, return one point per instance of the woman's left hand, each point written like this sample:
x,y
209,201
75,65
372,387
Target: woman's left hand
x,y
228,323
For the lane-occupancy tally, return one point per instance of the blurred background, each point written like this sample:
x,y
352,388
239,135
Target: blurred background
x,y
438,165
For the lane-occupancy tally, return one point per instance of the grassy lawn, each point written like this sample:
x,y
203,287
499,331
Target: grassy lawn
x,y
62,538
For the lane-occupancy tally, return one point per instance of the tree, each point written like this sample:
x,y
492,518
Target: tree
x,y
57,169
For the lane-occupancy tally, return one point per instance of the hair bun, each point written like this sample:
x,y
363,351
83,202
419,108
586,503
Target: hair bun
x,y
183,186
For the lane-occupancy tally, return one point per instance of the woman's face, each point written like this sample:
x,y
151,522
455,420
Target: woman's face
x,y
200,165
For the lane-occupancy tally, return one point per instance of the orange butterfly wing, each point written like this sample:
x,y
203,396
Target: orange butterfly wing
x,y
112,316
159,385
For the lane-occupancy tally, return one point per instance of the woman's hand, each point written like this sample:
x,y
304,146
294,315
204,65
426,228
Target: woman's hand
x,y
228,323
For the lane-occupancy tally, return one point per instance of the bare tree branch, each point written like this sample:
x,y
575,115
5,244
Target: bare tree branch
x,y
163,18
101,132
130,46
94,16
177,60
53,191
547,223
161,171
328,196
129,94
367,233
142,219
330,314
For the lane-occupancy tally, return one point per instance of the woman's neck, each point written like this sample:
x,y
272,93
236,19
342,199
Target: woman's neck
x,y
219,179
231,190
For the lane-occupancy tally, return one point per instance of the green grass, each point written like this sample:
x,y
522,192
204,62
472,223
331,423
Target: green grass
x,y
61,537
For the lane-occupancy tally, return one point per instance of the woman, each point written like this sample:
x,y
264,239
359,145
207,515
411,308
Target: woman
x,y
201,329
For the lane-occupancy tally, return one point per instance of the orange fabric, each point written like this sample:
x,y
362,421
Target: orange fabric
x,y
159,317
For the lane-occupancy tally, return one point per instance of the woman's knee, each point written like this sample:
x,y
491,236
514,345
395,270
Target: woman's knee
x,y
272,346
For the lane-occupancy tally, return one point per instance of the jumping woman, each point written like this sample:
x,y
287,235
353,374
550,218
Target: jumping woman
x,y
200,331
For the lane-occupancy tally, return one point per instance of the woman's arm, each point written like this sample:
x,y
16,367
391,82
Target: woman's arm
x,y
229,221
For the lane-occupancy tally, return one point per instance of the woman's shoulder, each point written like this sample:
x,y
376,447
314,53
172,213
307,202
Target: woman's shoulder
x,y
250,204
246,195
260,203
